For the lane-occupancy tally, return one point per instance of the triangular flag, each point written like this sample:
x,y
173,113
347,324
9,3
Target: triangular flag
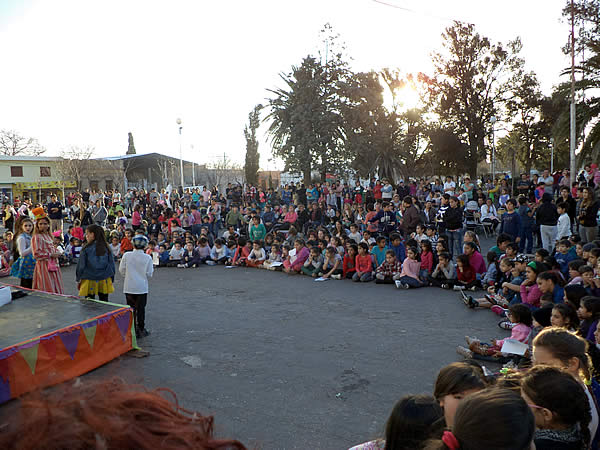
x,y
4,390
122,321
49,345
30,355
70,340
90,334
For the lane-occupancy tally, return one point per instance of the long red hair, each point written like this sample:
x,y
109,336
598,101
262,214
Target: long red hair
x,y
107,415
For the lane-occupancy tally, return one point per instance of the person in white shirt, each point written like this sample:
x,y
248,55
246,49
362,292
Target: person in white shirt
x,y
136,267
449,186
564,222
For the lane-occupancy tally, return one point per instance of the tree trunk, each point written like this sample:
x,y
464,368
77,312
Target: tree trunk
x,y
307,174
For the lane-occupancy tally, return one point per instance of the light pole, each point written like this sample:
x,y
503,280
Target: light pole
x,y
193,168
551,155
493,122
180,152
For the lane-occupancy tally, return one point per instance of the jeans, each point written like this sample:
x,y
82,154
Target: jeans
x,y
548,233
365,277
412,282
526,235
138,303
588,234
455,242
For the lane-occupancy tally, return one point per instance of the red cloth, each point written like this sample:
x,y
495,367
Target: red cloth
x,y
364,263
427,261
348,265
467,275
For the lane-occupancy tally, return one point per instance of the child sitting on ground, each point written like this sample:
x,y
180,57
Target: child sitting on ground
x,y
364,264
242,252
312,266
257,256
115,247
388,271
465,274
163,256
218,254
520,316
444,274
493,271
332,265
274,257
190,258
126,245
175,255
203,250
409,275
349,262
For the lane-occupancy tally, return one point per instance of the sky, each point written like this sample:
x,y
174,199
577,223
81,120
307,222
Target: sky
x,y
85,73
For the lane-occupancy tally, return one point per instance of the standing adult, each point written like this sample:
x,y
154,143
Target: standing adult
x,y
99,213
588,215
55,213
546,217
46,275
548,181
387,191
453,221
523,185
449,186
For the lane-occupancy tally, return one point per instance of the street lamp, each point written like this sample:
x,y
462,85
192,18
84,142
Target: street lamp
x,y
180,152
193,168
493,121
551,155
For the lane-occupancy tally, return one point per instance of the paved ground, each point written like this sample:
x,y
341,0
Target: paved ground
x,y
284,362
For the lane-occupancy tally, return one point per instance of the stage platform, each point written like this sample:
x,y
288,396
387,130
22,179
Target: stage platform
x,y
46,339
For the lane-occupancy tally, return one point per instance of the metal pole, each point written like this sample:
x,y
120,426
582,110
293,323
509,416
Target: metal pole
x,y
193,168
493,154
181,157
552,155
573,134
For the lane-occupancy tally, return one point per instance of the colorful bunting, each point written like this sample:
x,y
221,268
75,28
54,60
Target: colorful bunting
x,y
49,345
29,352
90,333
70,340
122,321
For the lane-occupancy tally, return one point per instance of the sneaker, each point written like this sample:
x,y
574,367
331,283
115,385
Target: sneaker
x,y
181,265
498,310
464,352
471,340
336,277
458,288
491,299
398,284
405,285
473,288
506,324
145,333
211,263
445,286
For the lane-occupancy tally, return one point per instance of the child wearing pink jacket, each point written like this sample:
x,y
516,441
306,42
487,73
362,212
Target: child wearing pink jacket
x,y
409,277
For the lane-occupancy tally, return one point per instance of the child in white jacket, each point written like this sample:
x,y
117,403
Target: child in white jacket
x,y
136,267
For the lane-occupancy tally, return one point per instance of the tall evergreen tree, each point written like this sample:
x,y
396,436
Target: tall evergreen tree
x,y
252,156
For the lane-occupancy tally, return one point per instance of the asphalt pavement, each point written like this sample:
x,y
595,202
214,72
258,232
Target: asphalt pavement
x,y
284,362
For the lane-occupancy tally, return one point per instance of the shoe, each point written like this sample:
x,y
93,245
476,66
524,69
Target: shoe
x,y
458,288
181,265
398,284
145,333
472,303
336,277
506,325
405,285
471,340
211,263
445,286
464,352
473,288
498,310
491,299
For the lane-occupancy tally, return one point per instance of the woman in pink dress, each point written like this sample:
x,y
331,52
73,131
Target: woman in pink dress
x,y
46,276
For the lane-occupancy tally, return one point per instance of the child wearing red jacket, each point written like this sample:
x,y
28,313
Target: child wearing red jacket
x,y
426,259
465,273
363,265
349,263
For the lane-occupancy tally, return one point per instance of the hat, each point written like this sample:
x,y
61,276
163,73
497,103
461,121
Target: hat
x,y
139,241
57,233
521,258
39,213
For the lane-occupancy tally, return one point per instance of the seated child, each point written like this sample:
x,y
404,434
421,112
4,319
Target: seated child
x,y
574,274
163,255
332,264
364,264
175,255
349,262
409,276
314,262
218,254
242,252
520,316
115,247
126,245
190,257
203,250
466,278
389,270
589,313
296,257
257,256
444,274
274,257
63,260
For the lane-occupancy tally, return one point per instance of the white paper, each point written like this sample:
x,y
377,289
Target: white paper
x,y
276,264
514,347
5,296
321,279
230,267
155,260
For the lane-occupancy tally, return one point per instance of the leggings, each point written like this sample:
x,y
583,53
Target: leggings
x,y
27,282
101,297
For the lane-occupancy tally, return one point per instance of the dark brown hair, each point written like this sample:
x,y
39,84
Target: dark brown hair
x,y
456,378
558,391
409,424
99,239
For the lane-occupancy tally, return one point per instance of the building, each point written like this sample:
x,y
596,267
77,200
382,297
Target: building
x,y
35,177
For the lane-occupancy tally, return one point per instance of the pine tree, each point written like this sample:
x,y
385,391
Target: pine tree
x,y
252,155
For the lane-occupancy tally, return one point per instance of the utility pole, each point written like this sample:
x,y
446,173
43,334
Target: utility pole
x,y
573,134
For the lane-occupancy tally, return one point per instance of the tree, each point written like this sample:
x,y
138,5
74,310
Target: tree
x,y
13,144
224,171
75,162
130,146
471,81
252,156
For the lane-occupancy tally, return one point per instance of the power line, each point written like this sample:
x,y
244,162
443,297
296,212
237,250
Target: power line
x,y
421,13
